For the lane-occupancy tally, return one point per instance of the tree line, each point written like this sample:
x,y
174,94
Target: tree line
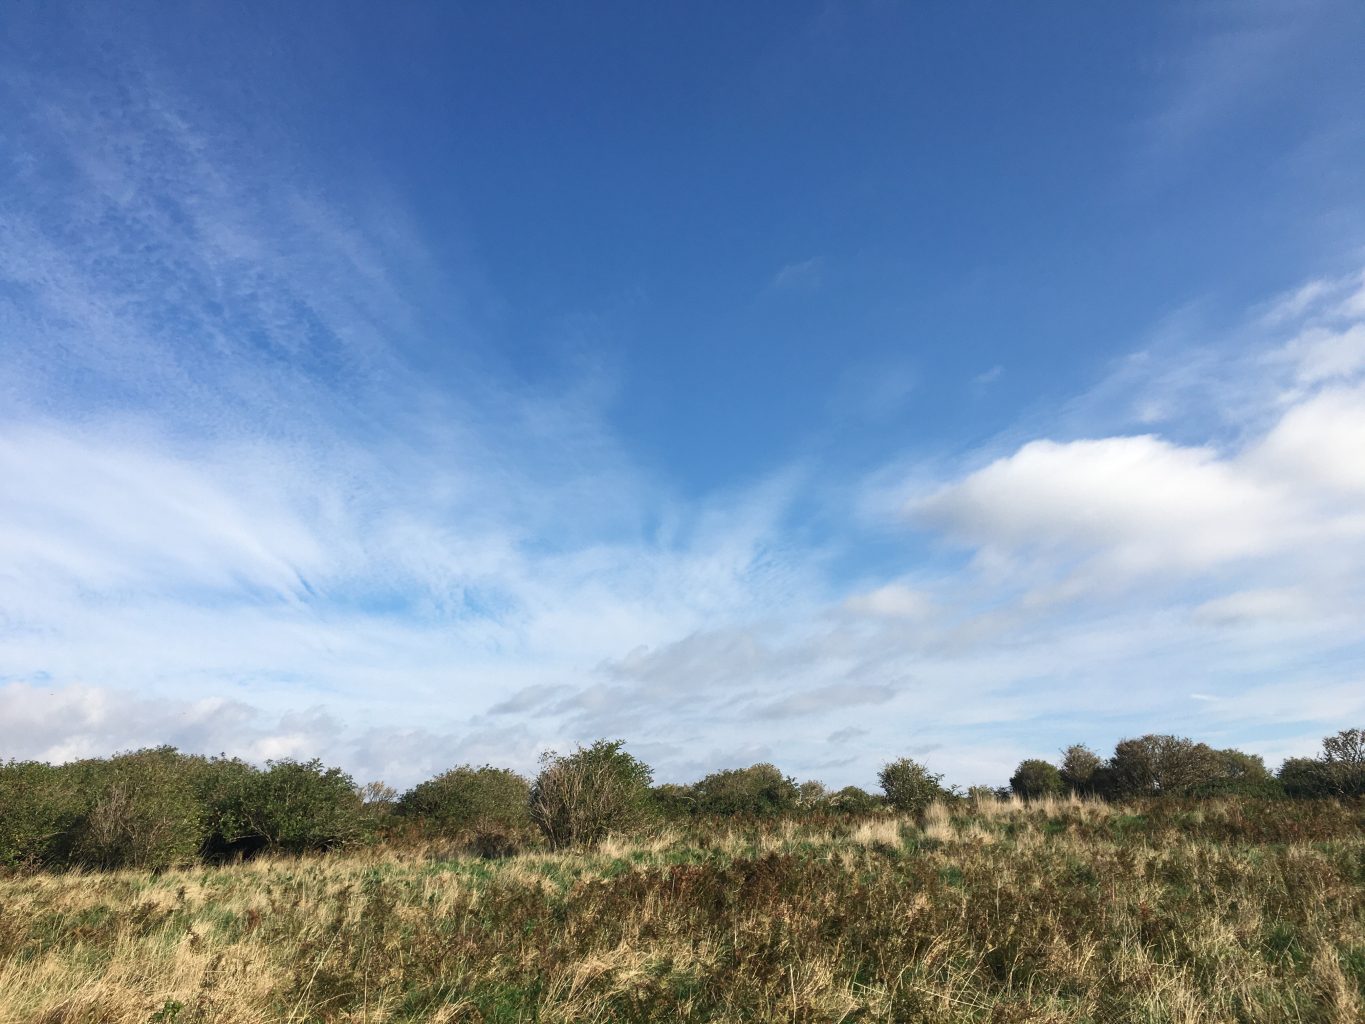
x,y
159,808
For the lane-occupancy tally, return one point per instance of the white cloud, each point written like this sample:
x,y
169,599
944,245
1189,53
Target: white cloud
x,y
1322,354
1274,604
1135,504
892,601
1319,445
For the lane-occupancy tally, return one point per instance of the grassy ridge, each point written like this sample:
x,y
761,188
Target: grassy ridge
x,y
1227,910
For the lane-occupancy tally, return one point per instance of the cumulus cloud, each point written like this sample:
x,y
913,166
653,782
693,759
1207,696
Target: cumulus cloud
x,y
1135,503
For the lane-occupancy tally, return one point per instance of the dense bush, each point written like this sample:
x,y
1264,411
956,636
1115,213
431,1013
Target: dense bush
x,y
1081,769
1173,765
581,798
141,811
909,786
1338,771
760,789
1155,764
1035,778
220,785
1305,777
1343,759
38,810
292,807
466,800
853,800
673,802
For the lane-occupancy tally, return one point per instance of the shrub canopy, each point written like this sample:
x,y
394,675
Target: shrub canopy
x,y
582,797
38,811
1079,769
467,799
760,789
1036,778
854,800
292,807
141,811
909,786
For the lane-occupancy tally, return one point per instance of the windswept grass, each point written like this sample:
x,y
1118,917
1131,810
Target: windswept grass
x,y
998,911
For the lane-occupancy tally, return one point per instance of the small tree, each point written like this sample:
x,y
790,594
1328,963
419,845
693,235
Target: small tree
x,y
760,789
909,786
672,801
1080,765
810,792
377,795
580,798
1161,764
1343,759
1036,778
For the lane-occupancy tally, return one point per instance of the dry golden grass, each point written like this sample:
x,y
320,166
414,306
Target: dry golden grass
x,y
996,911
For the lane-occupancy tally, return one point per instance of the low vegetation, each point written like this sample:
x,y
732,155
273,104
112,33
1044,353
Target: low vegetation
x,y
1056,910
1169,883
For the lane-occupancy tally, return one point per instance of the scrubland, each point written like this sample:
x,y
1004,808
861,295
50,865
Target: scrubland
x,y
1060,910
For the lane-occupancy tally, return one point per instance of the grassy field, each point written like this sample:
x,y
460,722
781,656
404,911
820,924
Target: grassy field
x,y
1059,911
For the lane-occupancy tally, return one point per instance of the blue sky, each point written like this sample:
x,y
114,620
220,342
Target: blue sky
x,y
818,383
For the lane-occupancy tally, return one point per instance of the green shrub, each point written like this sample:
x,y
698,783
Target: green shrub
x,y
673,802
1079,769
1159,764
909,786
1036,778
141,811
1173,765
38,810
812,793
1305,777
219,785
1268,788
853,800
292,807
760,789
1338,771
581,798
468,799
1343,757
1238,766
